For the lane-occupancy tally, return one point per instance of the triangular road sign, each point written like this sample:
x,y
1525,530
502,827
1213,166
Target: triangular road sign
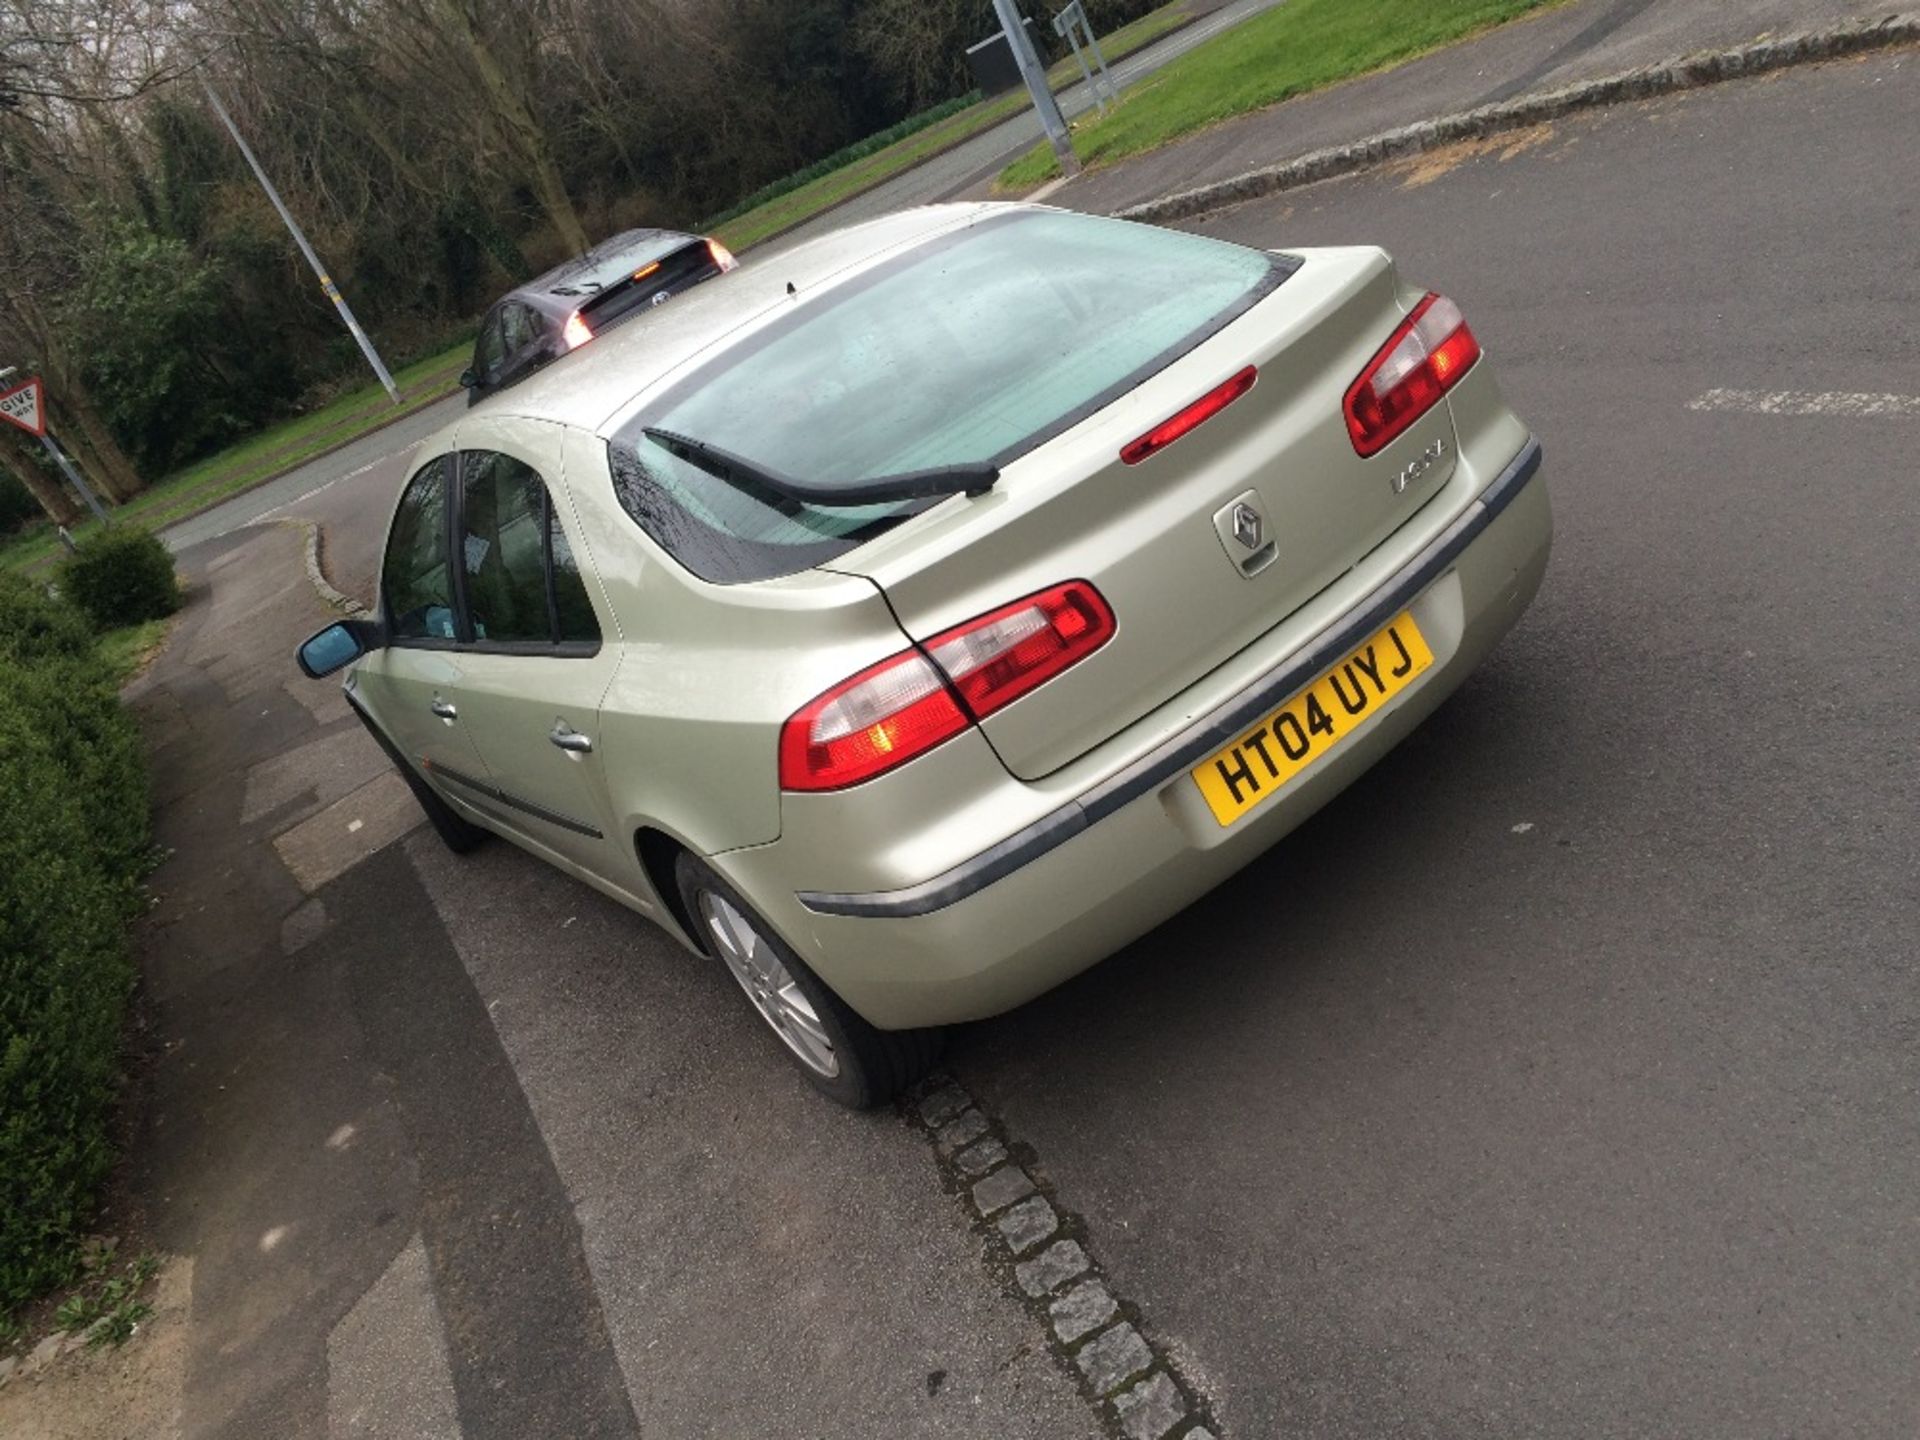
x,y
22,406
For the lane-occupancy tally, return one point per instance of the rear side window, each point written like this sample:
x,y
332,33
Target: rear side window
x,y
523,585
977,346
503,550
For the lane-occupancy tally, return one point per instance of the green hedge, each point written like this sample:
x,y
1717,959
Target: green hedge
x,y
73,843
121,575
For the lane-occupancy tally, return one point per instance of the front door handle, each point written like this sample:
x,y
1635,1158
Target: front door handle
x,y
444,709
569,739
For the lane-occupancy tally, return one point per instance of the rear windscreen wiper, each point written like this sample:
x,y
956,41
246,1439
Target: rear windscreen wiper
x,y
975,478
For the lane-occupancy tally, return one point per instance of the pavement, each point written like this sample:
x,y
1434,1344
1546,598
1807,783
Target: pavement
x,y
1542,51
1558,1079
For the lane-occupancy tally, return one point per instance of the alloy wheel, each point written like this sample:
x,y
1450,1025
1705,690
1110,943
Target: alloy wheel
x,y
769,984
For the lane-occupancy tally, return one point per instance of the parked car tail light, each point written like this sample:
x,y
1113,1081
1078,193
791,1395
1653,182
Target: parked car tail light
x,y
908,703
575,331
881,718
1425,358
722,257
1196,414
996,659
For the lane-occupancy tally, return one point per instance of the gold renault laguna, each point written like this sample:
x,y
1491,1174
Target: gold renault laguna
x,y
914,617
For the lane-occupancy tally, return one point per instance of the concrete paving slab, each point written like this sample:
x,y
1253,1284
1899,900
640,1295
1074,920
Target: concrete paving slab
x,y
360,824
387,1372
318,773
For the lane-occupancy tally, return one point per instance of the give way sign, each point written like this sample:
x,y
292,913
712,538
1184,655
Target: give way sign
x,y
22,406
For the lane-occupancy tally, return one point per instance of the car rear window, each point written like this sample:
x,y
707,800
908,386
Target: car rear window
x,y
650,283
975,347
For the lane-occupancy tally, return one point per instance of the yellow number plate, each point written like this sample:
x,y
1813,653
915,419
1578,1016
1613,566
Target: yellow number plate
x,y
1312,722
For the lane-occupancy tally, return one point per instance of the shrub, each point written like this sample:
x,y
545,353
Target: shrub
x,y
121,575
34,626
96,746
73,844
64,978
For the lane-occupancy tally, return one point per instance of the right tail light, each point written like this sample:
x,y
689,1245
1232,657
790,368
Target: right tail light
x,y
1425,358
911,702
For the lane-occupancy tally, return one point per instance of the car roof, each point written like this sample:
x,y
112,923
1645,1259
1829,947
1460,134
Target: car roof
x,y
597,386
561,289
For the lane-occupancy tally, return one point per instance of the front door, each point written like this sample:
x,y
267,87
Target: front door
x,y
411,687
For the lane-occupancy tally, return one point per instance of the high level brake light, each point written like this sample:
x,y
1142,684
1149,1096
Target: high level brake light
x,y
1425,358
910,703
1196,414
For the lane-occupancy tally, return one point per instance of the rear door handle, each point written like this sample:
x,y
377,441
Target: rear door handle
x,y
569,739
444,709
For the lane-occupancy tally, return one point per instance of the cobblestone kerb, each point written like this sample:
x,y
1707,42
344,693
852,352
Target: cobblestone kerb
x,y
316,569
1686,73
1040,1251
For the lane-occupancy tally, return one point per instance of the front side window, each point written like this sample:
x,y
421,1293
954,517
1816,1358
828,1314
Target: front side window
x,y
416,582
522,583
977,346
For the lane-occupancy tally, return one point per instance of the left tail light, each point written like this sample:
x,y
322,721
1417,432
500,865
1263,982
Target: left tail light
x,y
575,332
1425,358
722,257
911,702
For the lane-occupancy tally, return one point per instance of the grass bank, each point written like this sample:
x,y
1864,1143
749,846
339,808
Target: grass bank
x,y
1301,46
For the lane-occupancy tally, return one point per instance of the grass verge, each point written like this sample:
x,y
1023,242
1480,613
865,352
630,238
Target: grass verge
x,y
1301,46
127,652
797,204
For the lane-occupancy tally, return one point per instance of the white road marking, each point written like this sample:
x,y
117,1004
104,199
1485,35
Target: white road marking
x,y
1807,402
326,484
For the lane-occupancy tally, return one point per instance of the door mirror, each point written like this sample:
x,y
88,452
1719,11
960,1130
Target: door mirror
x,y
334,648
468,379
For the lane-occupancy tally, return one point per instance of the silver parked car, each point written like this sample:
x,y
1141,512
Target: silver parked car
x,y
932,609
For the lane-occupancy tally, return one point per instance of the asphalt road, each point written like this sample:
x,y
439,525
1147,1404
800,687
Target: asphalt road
x,y
1559,1079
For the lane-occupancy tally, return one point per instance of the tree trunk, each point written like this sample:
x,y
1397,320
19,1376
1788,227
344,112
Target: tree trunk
x,y
69,404
20,461
520,126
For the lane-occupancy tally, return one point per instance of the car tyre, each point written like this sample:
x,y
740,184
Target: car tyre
x,y
843,1057
456,832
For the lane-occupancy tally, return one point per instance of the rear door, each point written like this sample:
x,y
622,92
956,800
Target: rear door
x,y
526,339
412,686
539,658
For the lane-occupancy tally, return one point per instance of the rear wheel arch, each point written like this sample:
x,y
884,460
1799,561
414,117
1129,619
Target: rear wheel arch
x,y
659,853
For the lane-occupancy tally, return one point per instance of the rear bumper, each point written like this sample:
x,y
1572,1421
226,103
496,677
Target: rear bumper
x,y
1105,866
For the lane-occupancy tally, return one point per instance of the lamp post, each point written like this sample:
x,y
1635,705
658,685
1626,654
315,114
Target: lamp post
x,y
326,280
1051,120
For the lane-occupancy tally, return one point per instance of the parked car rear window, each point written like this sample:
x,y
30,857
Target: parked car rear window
x,y
978,346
